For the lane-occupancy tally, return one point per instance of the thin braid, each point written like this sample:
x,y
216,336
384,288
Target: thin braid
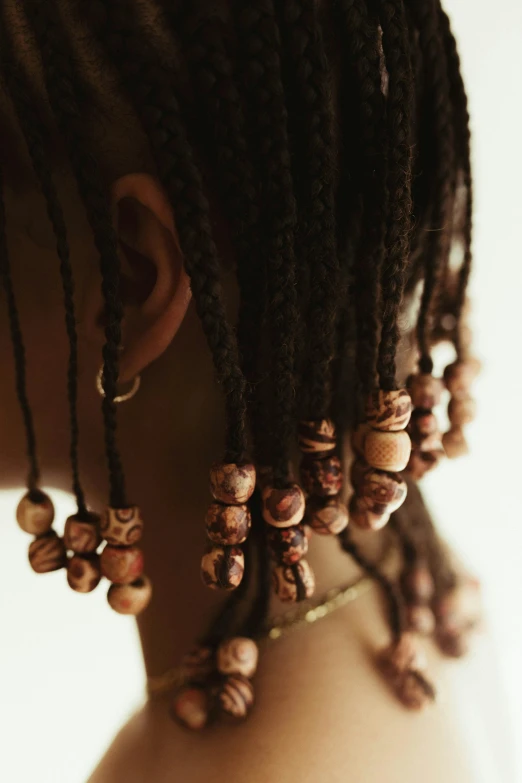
x,y
30,123
395,42
62,88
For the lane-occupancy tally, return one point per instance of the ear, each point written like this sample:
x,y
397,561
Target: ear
x,y
155,288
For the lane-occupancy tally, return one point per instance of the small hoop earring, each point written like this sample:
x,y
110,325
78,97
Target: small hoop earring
x,y
136,383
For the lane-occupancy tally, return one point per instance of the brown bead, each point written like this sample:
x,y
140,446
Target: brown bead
x,y
294,583
403,655
236,696
454,644
389,411
454,443
460,609
421,462
316,437
414,690
462,410
231,483
421,620
83,573
47,553
228,525
288,544
326,516
425,390
381,492
364,519
460,375
82,535
121,565
122,526
322,477
283,507
130,599
191,708
237,656
387,450
359,438
423,424
35,513
417,584
197,664
222,568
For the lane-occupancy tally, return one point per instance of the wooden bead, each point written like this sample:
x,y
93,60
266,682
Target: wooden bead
x,y
387,450
316,437
322,477
83,573
425,390
389,411
462,410
222,568
294,583
381,492
283,507
404,666
198,664
460,375
364,519
35,513
82,535
414,690
402,656
421,462
130,599
326,516
454,443
288,544
359,438
460,609
454,645
228,525
122,526
237,656
421,620
423,425
47,553
191,708
231,483
236,696
121,565
417,584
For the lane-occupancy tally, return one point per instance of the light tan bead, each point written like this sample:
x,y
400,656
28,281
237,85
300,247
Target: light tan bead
x,y
359,438
237,656
316,437
236,696
130,599
421,620
387,450
364,519
231,483
288,544
460,375
389,411
191,708
82,536
381,492
283,507
122,526
83,573
462,410
222,568
228,525
454,443
425,390
197,664
293,583
326,516
121,565
47,553
35,513
322,477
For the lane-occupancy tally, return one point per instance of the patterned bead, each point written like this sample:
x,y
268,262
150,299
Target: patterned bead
x,y
294,583
322,477
83,573
387,450
417,584
381,492
130,599
222,568
35,513
231,483
81,535
316,437
326,516
228,525
462,410
454,443
191,708
425,390
47,553
389,411
359,438
421,620
460,375
288,544
236,696
197,664
122,526
421,462
237,656
364,519
121,565
283,507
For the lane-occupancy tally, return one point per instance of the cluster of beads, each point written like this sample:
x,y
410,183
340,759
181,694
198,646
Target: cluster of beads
x,y
216,683
461,408
383,447
418,590
228,523
427,451
35,515
404,666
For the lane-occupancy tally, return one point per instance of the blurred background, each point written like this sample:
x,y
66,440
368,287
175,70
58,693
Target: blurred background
x,y
62,656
